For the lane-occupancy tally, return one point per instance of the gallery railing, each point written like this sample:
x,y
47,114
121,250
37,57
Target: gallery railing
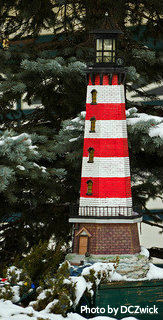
x,y
93,211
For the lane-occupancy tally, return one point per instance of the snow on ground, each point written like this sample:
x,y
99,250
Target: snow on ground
x,y
10,311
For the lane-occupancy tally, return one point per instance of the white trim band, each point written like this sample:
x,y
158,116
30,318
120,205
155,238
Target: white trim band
x,y
90,220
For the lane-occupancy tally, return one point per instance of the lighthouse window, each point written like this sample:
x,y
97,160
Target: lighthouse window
x,y
91,155
94,96
89,187
93,121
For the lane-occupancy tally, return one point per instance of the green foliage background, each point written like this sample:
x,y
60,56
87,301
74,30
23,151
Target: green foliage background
x,y
52,72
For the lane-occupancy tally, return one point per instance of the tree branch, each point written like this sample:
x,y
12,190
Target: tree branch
x,y
153,224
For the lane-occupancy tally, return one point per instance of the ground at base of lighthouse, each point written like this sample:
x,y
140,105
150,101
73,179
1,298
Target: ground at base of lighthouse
x,y
134,266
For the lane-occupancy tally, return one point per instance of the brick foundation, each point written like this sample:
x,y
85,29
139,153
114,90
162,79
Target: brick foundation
x,y
114,238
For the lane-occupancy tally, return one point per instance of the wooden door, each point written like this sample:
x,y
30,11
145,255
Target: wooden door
x,y
83,244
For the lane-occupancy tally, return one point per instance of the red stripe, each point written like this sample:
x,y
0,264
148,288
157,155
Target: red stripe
x,y
106,111
106,147
107,187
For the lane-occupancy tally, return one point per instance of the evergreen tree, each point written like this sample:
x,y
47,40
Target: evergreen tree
x,y
70,22
30,182
53,73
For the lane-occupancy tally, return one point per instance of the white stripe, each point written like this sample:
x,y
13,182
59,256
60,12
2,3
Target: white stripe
x,y
108,202
106,167
106,129
107,94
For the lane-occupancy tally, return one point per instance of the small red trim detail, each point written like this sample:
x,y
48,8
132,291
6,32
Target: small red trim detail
x,y
105,80
89,82
97,79
115,79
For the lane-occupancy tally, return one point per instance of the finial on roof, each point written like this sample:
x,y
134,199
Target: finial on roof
x,y
108,22
108,25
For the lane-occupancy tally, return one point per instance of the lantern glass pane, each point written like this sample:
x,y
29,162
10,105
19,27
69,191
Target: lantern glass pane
x,y
99,56
99,59
99,44
107,44
113,44
107,53
107,57
113,56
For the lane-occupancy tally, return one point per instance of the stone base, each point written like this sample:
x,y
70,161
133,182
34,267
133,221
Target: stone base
x,y
132,266
107,238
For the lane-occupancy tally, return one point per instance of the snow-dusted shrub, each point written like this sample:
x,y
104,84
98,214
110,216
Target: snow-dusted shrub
x,y
16,284
58,292
6,292
98,273
15,275
63,292
35,269
90,278
42,262
59,295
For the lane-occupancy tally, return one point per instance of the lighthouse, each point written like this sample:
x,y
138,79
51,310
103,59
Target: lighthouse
x,y
104,223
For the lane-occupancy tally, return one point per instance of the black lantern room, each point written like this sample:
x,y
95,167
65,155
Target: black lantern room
x,y
106,47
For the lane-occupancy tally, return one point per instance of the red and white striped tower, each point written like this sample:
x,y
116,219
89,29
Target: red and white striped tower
x,y
106,223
